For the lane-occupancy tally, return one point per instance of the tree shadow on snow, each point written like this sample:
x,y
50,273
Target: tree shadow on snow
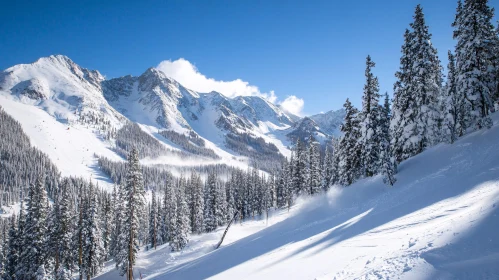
x,y
472,255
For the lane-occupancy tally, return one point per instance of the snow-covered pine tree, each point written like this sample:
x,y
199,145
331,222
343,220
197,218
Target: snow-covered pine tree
x,y
220,204
281,195
78,234
159,236
197,204
62,233
210,220
453,105
349,153
386,160
416,116
299,175
314,170
335,160
267,197
169,211
50,222
3,248
34,254
289,187
107,219
182,228
327,169
427,82
246,195
476,61
21,241
230,199
153,223
369,123
134,207
13,250
117,225
93,248
404,104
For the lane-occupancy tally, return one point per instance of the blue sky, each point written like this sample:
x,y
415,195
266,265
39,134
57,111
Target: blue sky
x,y
314,50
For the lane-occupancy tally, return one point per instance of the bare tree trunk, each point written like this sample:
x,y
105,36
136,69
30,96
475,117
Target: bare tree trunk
x,y
226,230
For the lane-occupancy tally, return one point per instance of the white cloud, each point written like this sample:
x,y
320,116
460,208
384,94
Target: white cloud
x,y
189,76
293,104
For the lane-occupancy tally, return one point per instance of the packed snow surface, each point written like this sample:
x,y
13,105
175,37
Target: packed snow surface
x,y
440,221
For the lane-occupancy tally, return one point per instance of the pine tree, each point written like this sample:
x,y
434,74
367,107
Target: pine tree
x,y
117,246
159,218
454,105
197,204
427,86
34,255
289,183
13,250
387,165
230,199
107,220
369,123
299,178
62,233
327,169
3,249
210,220
93,249
314,171
153,223
281,186
476,61
220,204
134,206
416,117
21,243
182,228
336,161
169,211
350,153
404,104
267,197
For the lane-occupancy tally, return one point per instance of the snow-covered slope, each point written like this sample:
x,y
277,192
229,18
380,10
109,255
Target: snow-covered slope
x,y
70,147
440,221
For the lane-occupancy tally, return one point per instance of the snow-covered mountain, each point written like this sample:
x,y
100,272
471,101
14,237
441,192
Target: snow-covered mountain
x,y
233,128
330,121
60,87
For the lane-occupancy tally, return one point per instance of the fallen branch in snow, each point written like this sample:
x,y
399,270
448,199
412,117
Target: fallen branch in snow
x,y
226,230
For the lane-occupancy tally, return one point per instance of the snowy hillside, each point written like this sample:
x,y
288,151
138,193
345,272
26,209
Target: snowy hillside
x,y
439,221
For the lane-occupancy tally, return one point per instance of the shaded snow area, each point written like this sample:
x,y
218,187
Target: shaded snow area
x,y
154,263
440,221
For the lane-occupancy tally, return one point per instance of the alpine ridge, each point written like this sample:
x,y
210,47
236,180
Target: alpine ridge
x,y
244,130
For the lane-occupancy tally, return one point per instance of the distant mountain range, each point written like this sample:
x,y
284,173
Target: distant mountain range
x,y
244,126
